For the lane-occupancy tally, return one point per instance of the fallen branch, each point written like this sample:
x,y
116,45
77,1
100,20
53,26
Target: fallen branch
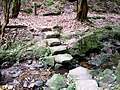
x,y
15,26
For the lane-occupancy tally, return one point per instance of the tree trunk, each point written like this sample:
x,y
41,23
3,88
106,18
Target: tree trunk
x,y
82,10
15,7
6,16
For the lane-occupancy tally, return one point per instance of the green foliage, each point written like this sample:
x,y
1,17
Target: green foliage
x,y
49,2
41,51
28,10
22,49
59,4
71,86
15,51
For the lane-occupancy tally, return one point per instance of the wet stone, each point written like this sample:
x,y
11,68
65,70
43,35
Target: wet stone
x,y
5,64
39,83
25,84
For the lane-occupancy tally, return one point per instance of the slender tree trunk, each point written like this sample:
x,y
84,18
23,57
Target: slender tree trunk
x,y
6,16
15,7
82,10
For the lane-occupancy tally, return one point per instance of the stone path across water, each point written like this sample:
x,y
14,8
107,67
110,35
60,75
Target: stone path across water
x,y
83,79
58,50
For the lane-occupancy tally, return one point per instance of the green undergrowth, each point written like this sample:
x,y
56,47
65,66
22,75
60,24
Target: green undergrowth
x,y
22,50
27,10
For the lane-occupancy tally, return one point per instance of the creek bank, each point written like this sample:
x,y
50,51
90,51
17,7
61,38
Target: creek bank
x,y
98,50
103,64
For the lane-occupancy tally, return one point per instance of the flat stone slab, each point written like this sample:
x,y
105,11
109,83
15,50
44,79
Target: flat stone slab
x,y
51,34
53,41
86,85
61,58
79,73
58,49
45,28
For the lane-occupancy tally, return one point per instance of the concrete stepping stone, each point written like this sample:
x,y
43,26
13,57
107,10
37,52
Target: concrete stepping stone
x,y
61,58
53,42
51,34
86,85
58,49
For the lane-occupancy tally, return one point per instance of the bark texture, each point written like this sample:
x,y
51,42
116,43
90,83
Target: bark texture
x,y
14,11
6,16
82,10
15,7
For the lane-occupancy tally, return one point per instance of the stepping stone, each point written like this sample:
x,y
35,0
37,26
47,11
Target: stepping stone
x,y
53,42
61,58
58,49
79,73
51,34
45,28
86,85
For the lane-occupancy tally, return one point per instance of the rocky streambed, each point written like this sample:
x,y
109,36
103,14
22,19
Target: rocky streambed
x,y
94,64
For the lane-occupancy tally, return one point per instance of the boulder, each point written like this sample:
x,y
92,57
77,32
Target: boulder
x,y
86,85
57,82
79,73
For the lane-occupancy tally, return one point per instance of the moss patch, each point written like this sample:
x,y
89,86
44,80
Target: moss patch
x,y
94,39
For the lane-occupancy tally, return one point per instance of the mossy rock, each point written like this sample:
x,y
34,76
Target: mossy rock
x,y
57,82
94,39
49,61
85,44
